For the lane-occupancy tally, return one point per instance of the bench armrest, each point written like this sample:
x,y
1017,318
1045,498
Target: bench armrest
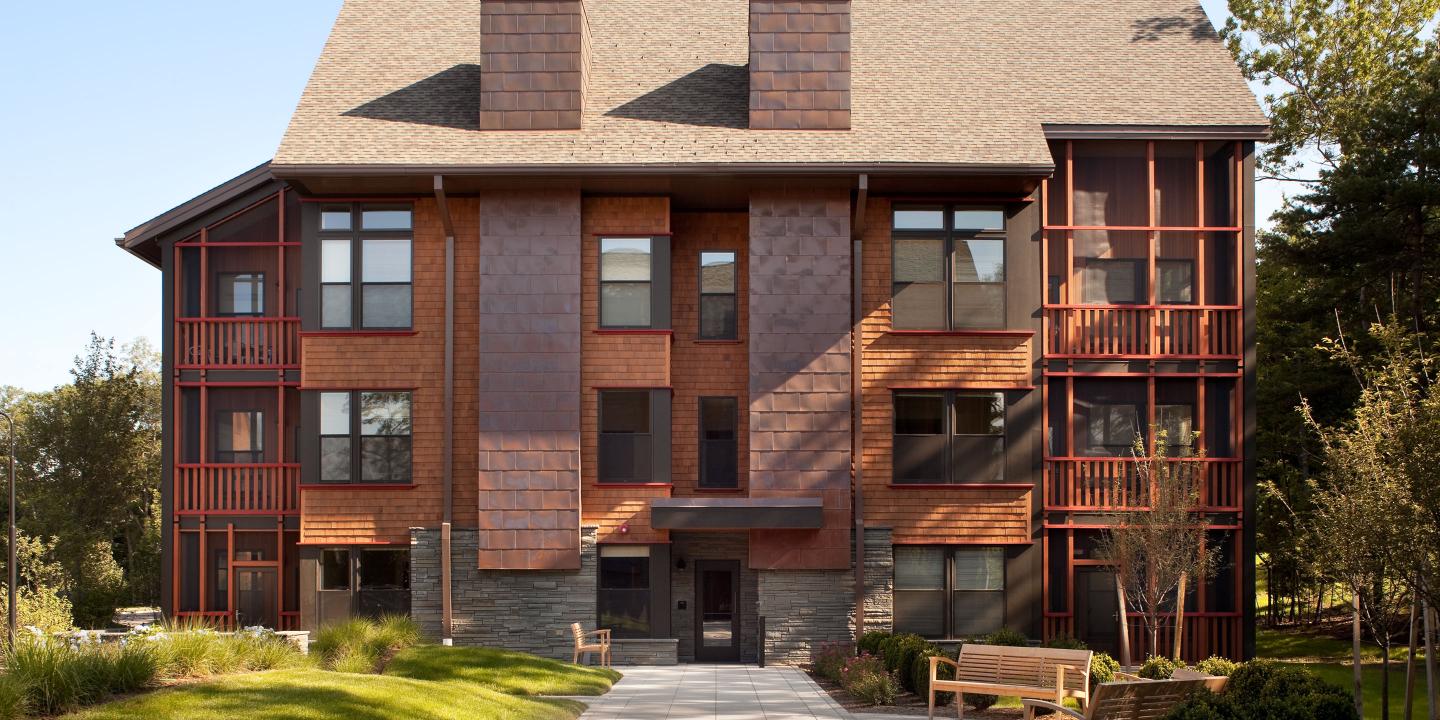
x,y
935,661
1031,705
1130,677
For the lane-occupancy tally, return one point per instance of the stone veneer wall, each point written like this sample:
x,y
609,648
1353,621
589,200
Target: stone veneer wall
x,y
526,610
711,546
804,608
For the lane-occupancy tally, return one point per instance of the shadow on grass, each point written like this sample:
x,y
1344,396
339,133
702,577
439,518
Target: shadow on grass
x,y
512,673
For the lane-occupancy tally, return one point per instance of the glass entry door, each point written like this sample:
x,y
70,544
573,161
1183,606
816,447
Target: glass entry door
x,y
717,610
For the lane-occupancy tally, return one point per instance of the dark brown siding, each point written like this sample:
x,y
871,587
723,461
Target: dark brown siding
x,y
532,73
800,65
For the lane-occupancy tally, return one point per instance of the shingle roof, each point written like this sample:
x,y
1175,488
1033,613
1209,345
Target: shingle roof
x,y
942,82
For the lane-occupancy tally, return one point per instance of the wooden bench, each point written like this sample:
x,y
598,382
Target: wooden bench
x,y
1025,672
583,643
1144,700
1214,683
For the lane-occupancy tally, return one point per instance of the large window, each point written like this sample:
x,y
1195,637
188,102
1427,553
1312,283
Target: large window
x,y
1113,282
1175,282
949,437
335,569
241,294
948,268
719,450
626,272
623,599
1178,422
365,437
383,582
949,592
717,296
365,267
625,436
1111,429
239,436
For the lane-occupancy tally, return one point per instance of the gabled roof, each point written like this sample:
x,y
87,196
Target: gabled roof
x,y
951,84
142,241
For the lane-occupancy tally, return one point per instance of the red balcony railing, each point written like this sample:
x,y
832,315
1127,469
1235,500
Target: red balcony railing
x,y
249,489
1143,331
237,342
1206,634
1109,483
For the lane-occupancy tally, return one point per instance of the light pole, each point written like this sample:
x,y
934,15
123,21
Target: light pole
x,y
10,421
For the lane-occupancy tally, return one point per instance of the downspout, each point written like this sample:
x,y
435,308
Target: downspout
x,y
857,366
448,442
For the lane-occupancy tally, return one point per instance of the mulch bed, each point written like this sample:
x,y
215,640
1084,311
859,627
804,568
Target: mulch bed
x,y
906,703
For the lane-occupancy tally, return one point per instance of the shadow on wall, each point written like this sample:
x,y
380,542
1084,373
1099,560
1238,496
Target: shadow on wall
x,y
716,95
450,98
1153,29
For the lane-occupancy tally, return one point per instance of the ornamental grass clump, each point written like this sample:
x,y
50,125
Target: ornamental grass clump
x,y
867,680
362,645
14,698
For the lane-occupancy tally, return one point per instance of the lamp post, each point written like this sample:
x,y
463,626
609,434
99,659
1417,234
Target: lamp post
x,y
10,422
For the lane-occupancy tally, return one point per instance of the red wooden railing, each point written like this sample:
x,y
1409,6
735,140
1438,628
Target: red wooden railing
x,y
237,342
223,620
1206,634
1143,331
1111,483
248,489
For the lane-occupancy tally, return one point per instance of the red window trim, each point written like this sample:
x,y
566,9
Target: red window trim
x,y
357,486
963,333
634,331
961,486
358,333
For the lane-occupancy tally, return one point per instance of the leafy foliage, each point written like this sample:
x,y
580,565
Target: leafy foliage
x,y
866,678
1159,667
870,641
1265,690
918,679
1216,665
830,658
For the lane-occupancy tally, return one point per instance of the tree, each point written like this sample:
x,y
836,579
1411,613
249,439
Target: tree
x,y
1156,549
91,455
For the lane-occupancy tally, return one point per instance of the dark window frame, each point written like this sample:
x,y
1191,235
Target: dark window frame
x,y
1140,284
356,235
733,482
947,593
604,594
601,476
952,469
349,570
1110,447
950,237
1187,263
257,282
356,437
602,282
257,434
734,296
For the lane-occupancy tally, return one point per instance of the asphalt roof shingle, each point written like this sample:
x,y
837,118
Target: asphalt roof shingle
x,y
934,82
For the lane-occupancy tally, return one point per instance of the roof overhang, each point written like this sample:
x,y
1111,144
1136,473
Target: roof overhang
x,y
749,513
142,240
1156,132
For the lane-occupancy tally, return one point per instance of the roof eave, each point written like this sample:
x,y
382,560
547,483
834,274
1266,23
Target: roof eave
x,y
1062,131
144,235
315,170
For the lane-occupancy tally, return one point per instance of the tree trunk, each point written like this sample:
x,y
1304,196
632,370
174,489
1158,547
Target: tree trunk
x,y
1385,681
1355,656
1410,660
1179,616
1124,623
1430,688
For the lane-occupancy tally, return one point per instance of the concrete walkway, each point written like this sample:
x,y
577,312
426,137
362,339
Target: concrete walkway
x,y
714,692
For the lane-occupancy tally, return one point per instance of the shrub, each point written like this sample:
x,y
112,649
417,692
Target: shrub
x,y
866,679
920,674
830,658
14,698
1102,669
1216,665
351,642
1159,667
902,651
1005,636
870,642
1267,690
1066,642
887,649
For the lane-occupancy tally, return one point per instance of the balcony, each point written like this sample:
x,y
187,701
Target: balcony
x,y
237,342
238,489
1143,331
1106,484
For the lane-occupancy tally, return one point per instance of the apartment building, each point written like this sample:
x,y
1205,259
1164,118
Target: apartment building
x,y
735,327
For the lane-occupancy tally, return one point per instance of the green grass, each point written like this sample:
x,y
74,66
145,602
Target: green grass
x,y
424,681
1340,674
1329,657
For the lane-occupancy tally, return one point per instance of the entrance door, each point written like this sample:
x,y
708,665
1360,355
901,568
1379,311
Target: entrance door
x,y
717,610
1098,611
255,597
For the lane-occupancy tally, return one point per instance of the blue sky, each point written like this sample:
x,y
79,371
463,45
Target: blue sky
x,y
115,112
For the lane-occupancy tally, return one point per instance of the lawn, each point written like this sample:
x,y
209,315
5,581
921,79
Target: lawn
x,y
1330,658
426,681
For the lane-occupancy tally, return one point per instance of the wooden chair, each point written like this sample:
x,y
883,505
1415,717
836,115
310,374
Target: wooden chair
x,y
1046,673
600,645
1144,700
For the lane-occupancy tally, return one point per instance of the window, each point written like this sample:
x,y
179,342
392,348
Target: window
x,y
1112,282
719,451
1112,429
623,599
625,436
239,436
949,592
949,437
717,296
241,294
1175,282
371,245
335,569
948,268
625,274
1178,422
365,437
383,586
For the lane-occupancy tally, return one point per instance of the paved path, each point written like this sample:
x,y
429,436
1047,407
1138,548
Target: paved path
x,y
714,692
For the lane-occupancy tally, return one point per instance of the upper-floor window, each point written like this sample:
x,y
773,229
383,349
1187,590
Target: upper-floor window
x,y
240,294
239,436
948,267
719,451
1121,281
365,267
1112,429
626,271
718,295
948,437
626,436
1178,422
365,437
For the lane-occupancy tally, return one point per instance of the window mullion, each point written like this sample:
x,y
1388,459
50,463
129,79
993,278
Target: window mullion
x,y
357,285
355,436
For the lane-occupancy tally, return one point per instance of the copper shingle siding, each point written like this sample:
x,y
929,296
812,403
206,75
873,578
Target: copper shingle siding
x,y
532,64
800,65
